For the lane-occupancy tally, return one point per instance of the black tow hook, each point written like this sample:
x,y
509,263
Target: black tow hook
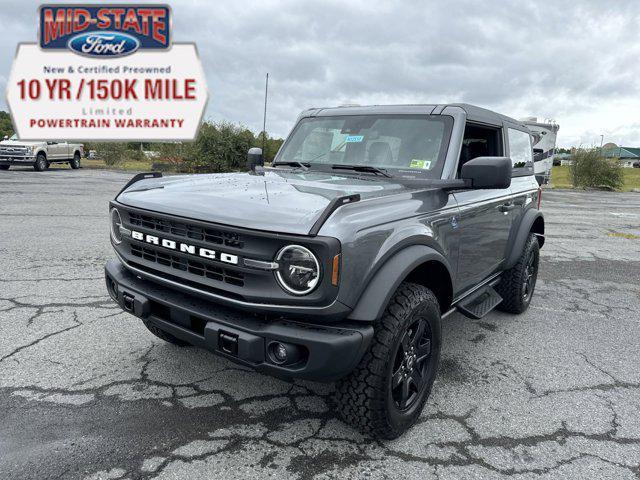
x,y
128,302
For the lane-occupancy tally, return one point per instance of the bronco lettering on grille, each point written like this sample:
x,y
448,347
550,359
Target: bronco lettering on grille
x,y
185,248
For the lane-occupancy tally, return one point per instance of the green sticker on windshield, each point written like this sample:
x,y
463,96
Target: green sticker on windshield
x,y
423,164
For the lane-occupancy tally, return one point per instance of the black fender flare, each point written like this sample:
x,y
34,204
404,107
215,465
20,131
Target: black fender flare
x,y
385,281
520,238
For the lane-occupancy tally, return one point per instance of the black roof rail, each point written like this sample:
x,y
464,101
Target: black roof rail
x,y
137,178
332,207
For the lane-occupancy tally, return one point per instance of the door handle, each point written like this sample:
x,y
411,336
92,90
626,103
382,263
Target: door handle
x,y
506,207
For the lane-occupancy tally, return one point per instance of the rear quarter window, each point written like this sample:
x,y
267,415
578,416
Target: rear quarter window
x,y
520,152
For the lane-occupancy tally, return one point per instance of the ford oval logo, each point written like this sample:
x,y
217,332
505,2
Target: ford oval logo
x,y
104,44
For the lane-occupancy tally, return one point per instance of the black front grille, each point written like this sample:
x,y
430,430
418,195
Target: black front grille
x,y
180,229
203,269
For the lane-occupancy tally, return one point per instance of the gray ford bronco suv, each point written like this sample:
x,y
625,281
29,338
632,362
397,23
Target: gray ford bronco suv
x,y
339,261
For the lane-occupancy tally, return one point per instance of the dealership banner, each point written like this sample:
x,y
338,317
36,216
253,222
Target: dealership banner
x,y
107,72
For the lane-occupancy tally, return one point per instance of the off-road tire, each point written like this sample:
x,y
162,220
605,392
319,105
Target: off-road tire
x,y
41,163
75,163
364,398
4,167
167,337
512,282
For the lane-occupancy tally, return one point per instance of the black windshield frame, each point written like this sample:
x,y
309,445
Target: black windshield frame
x,y
406,172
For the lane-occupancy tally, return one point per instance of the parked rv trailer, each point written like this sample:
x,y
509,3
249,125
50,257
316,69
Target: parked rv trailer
x,y
544,146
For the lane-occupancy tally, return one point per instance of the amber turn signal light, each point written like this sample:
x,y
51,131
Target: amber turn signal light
x,y
336,270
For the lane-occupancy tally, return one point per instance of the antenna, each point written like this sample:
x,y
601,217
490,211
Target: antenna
x,y
264,118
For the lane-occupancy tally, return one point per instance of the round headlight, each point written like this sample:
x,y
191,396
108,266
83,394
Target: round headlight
x,y
116,222
298,271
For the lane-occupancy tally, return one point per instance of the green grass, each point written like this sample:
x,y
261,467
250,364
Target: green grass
x,y
628,236
561,178
143,166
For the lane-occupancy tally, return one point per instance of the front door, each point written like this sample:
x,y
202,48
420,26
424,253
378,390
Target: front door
x,y
54,151
485,219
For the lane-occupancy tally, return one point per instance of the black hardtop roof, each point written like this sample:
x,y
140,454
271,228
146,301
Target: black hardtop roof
x,y
474,113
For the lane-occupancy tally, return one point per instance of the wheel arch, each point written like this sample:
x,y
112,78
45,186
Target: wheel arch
x,y
532,222
416,263
537,228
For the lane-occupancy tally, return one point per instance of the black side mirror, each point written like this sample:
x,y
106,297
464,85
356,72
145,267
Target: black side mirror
x,y
488,172
254,158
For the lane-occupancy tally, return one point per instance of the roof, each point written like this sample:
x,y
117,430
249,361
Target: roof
x,y
473,112
622,152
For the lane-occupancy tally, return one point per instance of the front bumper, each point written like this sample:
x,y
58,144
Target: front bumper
x,y
22,160
321,352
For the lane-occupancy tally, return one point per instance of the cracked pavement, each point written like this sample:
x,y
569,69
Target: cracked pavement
x,y
87,392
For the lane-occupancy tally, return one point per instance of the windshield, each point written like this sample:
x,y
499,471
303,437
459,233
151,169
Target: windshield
x,y
13,137
414,144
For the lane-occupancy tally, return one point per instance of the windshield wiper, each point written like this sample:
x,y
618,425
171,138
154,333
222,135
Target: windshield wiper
x,y
362,168
293,163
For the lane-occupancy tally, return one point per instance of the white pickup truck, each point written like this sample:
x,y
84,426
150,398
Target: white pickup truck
x,y
39,155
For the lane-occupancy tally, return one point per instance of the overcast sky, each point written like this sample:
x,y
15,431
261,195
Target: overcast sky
x,y
573,61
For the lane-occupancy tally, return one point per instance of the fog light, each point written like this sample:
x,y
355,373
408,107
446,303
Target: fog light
x,y
279,352
112,288
282,353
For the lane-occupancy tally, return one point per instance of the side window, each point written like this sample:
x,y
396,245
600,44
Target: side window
x,y
479,141
520,151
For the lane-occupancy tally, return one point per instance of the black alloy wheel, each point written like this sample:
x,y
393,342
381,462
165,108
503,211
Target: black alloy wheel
x,y
517,284
410,366
385,394
530,276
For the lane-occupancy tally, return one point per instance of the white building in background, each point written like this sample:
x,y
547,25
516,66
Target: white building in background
x,y
544,146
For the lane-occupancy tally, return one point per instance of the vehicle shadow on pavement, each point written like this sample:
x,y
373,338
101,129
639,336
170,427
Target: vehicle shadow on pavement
x,y
186,405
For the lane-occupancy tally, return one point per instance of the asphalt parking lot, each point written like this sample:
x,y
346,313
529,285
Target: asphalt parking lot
x,y
86,391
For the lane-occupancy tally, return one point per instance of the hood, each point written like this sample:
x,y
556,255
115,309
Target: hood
x,y
276,201
19,143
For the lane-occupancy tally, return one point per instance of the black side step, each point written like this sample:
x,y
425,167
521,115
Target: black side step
x,y
479,303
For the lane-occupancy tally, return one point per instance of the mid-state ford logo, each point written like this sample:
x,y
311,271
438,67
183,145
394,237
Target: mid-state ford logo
x,y
105,30
104,44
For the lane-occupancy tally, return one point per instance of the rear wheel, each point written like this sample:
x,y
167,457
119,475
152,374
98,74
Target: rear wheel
x,y
75,162
4,167
167,337
386,392
518,283
41,163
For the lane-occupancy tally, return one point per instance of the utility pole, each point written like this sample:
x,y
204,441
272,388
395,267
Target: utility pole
x,y
264,118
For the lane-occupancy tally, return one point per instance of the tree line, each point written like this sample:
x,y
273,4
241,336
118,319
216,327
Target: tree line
x,y
219,147
6,128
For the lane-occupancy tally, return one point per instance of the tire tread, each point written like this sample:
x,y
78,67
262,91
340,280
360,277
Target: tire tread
x,y
509,287
360,396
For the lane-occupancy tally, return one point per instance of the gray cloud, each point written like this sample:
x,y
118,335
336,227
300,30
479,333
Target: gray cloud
x,y
572,61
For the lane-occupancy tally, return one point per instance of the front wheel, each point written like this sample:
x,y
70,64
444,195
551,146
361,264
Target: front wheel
x,y
386,392
518,283
75,162
41,163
